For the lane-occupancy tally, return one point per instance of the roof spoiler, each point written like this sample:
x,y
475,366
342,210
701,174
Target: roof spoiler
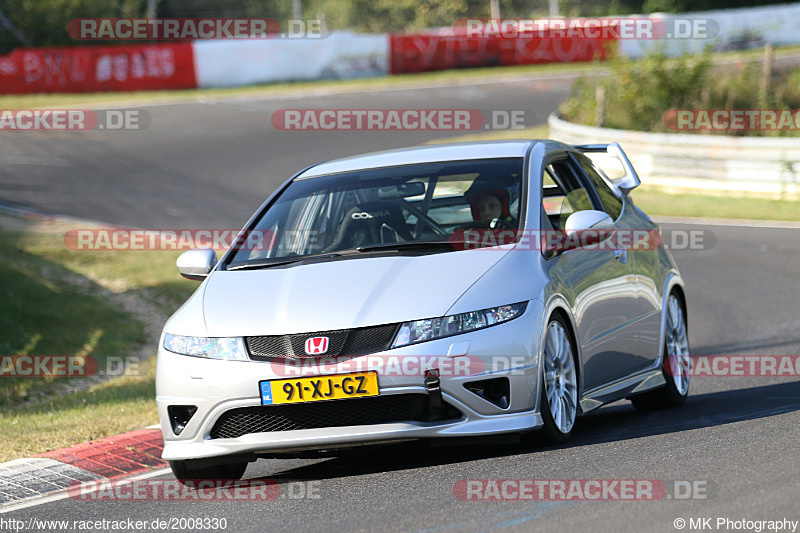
x,y
630,180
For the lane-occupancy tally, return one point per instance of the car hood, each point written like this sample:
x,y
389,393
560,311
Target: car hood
x,y
340,294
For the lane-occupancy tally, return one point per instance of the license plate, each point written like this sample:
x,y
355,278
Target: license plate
x,y
319,388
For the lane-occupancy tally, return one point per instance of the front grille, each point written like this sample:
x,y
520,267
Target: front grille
x,y
358,341
328,414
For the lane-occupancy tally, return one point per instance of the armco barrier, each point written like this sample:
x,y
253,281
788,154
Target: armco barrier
x,y
746,164
230,63
421,52
209,63
97,68
745,27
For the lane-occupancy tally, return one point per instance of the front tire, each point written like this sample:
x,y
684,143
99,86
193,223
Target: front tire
x,y
676,365
559,403
184,470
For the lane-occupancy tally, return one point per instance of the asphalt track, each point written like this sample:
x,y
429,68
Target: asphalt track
x,y
210,165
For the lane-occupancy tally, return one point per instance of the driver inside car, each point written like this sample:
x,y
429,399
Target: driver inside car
x,y
491,208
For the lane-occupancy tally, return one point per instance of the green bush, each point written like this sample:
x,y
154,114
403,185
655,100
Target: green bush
x,y
44,22
639,93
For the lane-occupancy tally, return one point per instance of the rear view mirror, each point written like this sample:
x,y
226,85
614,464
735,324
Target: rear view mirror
x,y
196,264
404,190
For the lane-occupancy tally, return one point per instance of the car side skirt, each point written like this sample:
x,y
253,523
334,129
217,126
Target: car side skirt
x,y
628,386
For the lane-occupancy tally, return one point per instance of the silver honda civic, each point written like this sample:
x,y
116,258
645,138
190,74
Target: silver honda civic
x,y
434,292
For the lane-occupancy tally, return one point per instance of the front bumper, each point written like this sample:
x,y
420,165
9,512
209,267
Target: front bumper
x,y
507,350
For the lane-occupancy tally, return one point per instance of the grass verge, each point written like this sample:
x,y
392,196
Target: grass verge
x,y
104,305
121,404
41,313
659,203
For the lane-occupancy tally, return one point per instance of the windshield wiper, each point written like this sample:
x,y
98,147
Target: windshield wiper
x,y
407,245
266,263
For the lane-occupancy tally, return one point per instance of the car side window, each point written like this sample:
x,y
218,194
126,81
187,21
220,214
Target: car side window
x,y
612,204
562,193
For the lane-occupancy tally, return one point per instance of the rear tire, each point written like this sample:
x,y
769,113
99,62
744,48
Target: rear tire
x,y
559,402
184,470
676,364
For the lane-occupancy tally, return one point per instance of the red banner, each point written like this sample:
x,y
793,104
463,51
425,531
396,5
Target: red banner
x,y
98,68
422,52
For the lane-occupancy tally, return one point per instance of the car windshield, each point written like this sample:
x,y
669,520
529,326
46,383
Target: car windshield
x,y
408,207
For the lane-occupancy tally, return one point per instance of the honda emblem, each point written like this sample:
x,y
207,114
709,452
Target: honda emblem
x,y
316,345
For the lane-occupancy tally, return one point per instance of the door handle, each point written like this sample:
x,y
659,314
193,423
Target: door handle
x,y
621,256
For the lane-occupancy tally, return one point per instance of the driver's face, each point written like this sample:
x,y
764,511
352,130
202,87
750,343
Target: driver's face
x,y
489,207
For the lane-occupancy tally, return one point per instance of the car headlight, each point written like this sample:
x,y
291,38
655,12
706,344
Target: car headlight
x,y
228,348
436,328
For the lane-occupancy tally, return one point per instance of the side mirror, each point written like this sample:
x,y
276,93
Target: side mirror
x,y
196,264
585,228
